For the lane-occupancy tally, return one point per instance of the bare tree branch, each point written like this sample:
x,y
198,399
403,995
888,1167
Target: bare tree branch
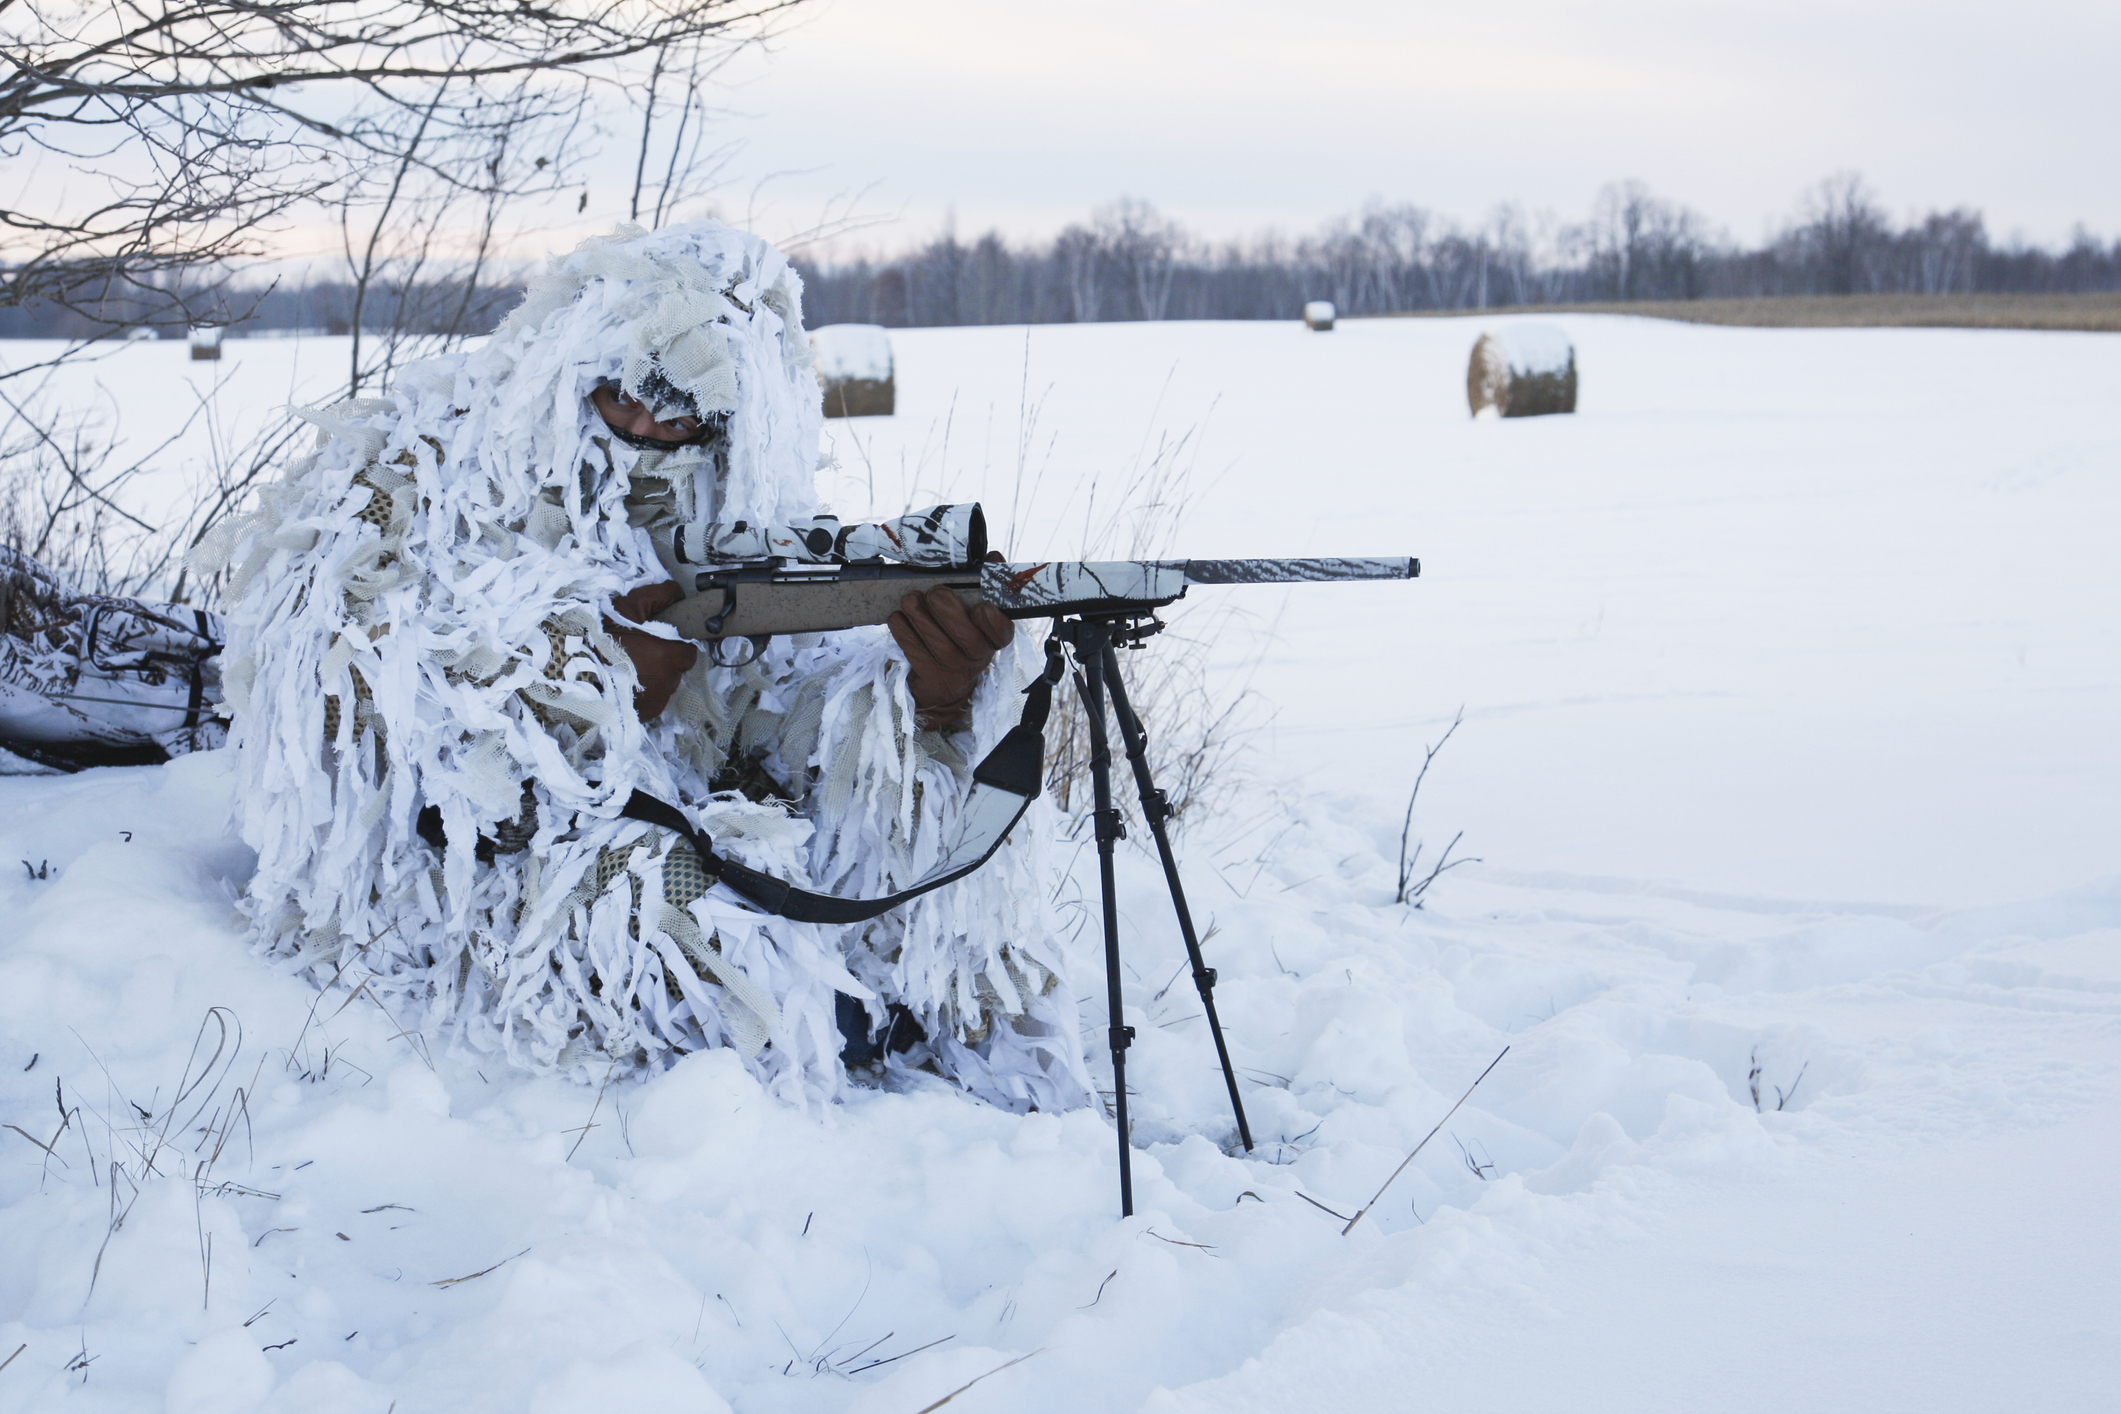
x,y
189,133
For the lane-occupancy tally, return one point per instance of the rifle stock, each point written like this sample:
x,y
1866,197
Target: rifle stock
x,y
763,603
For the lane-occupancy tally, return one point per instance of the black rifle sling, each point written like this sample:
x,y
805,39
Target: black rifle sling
x,y
1013,769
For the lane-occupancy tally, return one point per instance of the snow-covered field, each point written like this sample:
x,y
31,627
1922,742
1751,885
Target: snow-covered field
x,y
1791,673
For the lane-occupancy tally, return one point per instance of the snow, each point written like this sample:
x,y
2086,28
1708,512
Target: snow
x,y
1534,348
852,351
1790,678
152,391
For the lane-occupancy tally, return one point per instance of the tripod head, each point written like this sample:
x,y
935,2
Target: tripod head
x,y
1122,628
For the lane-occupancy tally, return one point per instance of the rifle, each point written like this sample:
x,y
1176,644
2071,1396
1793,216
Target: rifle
x,y
816,575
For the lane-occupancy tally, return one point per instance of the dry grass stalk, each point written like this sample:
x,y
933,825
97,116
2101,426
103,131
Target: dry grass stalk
x,y
930,1409
1424,1143
1136,510
1410,889
474,1276
77,498
138,1139
1195,736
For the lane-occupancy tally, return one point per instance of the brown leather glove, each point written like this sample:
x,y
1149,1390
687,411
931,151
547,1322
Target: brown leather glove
x,y
657,662
947,648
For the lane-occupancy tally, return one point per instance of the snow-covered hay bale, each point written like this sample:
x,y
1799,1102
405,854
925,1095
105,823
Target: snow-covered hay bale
x,y
1526,370
1318,315
205,342
854,364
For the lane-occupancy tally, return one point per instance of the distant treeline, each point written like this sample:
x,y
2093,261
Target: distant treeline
x,y
1127,262
430,307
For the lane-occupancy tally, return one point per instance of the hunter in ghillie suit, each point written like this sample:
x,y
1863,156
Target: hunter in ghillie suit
x,y
444,688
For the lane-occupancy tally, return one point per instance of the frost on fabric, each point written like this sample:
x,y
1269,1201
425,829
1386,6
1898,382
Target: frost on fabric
x,y
417,623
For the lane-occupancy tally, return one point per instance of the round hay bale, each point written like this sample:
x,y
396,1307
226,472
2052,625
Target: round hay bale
x,y
1318,315
1525,370
205,342
854,365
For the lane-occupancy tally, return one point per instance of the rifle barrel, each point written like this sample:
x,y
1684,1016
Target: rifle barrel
x,y
1300,571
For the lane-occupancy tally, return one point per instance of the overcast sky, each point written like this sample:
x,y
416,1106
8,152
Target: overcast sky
x,y
1235,115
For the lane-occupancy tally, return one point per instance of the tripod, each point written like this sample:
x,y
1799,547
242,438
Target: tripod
x,y
1095,638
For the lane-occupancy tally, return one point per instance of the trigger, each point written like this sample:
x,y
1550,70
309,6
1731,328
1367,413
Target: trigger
x,y
713,627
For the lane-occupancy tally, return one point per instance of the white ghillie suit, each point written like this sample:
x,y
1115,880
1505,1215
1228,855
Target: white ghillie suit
x,y
417,623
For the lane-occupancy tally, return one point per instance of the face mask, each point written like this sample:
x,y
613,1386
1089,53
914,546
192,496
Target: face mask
x,y
667,401
661,444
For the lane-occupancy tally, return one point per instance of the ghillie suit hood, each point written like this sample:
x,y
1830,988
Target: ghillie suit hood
x,y
436,732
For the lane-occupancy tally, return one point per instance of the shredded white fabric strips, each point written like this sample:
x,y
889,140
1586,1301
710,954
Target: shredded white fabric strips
x,y
417,625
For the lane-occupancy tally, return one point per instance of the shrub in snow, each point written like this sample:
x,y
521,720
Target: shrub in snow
x,y
1526,370
854,364
1318,314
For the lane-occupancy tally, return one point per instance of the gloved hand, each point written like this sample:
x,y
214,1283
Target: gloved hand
x,y
657,662
947,648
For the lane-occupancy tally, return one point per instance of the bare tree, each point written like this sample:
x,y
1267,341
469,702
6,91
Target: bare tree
x,y
418,233
670,160
1145,248
187,132
1081,255
1943,254
1844,234
1637,245
1380,262
1509,241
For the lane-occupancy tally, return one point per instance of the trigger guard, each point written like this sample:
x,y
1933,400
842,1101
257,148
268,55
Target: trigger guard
x,y
720,651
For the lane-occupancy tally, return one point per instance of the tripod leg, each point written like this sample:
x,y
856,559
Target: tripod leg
x,y
1094,649
1156,809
